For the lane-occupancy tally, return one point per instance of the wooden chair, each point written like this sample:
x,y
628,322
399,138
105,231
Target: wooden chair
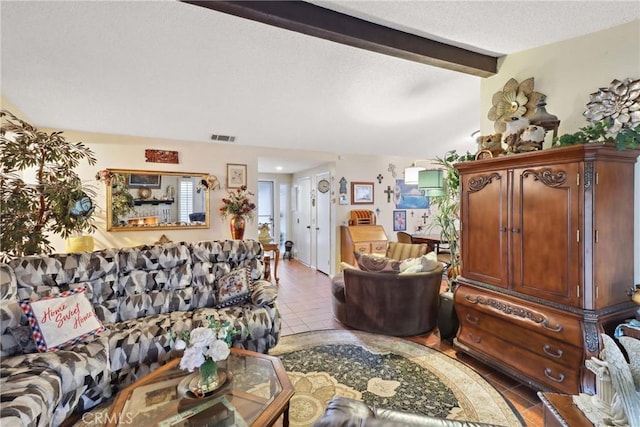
x,y
404,237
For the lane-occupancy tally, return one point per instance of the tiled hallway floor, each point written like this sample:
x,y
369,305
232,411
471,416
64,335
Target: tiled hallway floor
x,y
305,303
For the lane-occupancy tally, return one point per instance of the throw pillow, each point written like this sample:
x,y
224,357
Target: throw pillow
x,y
24,337
61,321
377,263
234,287
421,264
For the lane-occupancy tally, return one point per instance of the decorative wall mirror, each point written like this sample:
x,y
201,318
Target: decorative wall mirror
x,y
150,200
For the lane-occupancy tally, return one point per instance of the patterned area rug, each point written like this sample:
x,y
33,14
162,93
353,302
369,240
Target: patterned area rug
x,y
385,372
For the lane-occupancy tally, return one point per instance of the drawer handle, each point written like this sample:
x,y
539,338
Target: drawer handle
x,y
473,300
378,248
472,319
362,250
545,325
547,349
557,379
473,338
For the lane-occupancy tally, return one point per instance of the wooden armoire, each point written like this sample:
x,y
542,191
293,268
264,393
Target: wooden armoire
x,y
547,259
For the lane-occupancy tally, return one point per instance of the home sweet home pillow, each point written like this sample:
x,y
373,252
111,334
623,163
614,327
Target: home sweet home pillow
x,y
60,321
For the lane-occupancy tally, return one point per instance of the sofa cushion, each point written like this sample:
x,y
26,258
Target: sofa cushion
x,y
154,279
401,251
76,380
30,395
376,263
11,315
234,287
42,276
59,322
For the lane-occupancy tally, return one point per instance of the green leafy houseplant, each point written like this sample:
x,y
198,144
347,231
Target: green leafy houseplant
x,y
30,212
448,206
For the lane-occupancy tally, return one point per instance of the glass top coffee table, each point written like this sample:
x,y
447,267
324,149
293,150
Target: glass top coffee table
x,y
256,393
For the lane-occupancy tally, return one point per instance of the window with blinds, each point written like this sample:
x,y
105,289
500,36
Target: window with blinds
x,y
185,201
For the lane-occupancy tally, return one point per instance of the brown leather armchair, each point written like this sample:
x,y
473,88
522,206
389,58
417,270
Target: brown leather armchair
x,y
387,303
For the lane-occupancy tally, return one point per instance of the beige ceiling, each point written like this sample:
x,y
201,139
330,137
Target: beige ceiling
x,y
167,69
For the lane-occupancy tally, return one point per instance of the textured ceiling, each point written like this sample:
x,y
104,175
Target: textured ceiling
x,y
171,70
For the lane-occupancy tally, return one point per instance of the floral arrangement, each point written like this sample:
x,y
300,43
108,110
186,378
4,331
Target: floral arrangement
x,y
203,347
238,203
105,175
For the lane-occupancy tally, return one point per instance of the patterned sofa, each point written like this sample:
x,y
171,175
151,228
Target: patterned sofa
x,y
140,295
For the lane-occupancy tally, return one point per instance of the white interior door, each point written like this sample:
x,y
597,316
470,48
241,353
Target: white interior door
x,y
303,221
323,227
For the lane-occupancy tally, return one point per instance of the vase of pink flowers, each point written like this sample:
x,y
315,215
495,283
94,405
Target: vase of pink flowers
x,y
203,348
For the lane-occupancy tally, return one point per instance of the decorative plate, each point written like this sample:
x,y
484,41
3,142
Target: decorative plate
x,y
190,388
144,193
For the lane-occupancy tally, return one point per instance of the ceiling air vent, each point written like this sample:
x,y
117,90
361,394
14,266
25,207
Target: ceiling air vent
x,y
223,138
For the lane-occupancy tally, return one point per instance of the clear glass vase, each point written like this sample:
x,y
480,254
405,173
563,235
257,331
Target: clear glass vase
x,y
208,376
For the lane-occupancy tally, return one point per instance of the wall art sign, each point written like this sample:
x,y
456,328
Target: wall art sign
x,y
160,156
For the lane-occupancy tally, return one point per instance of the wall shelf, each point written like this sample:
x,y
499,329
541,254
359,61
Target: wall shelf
x,y
140,202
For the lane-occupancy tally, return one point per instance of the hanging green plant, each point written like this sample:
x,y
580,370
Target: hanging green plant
x,y
597,132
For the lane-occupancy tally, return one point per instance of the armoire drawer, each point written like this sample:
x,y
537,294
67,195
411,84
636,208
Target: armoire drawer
x,y
543,320
542,345
542,372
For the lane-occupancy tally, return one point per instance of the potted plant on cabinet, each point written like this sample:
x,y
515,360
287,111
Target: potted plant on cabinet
x,y
56,203
447,220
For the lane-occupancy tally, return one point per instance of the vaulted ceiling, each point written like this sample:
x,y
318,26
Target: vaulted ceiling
x,y
169,69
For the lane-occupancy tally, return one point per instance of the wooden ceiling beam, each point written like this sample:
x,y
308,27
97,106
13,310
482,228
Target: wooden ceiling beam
x,y
327,24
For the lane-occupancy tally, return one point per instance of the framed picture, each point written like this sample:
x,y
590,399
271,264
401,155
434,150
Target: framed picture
x,y
409,196
138,180
399,220
236,175
362,193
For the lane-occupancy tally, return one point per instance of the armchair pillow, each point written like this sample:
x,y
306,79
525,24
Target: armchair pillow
x,y
424,263
377,263
234,287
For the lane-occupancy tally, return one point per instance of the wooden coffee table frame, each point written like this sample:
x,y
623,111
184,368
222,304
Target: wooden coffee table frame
x,y
278,407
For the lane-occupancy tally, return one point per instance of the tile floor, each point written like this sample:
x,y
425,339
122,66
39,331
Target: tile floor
x,y
305,302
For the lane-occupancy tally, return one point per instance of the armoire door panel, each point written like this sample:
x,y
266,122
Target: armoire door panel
x,y
545,233
484,249
612,216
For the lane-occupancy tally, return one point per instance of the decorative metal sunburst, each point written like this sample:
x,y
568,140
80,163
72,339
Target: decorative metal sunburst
x,y
515,99
619,103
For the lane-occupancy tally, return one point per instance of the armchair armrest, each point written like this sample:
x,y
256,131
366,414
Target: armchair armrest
x,y
264,293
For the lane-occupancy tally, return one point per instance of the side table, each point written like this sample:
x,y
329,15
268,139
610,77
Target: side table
x,y
273,247
560,411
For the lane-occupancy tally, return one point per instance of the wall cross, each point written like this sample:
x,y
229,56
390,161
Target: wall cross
x,y
424,218
388,192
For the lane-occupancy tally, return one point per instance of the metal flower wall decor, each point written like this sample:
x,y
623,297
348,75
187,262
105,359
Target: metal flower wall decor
x,y
515,99
619,104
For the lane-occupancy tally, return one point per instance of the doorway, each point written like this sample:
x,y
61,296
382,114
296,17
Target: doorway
x,y
323,224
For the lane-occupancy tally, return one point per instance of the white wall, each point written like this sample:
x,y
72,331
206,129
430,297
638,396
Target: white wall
x,y
567,73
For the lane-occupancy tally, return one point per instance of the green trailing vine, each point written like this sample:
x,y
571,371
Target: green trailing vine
x,y
597,133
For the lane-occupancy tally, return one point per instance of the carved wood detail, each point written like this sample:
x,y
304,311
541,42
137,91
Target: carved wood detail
x,y
547,176
516,311
477,184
